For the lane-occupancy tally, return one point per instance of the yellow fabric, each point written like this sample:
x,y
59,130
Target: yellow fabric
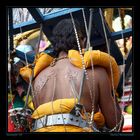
x,y
34,35
75,58
41,62
55,107
99,119
24,35
26,73
99,58
30,103
63,106
31,38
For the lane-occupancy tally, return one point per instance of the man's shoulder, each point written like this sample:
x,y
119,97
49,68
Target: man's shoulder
x,y
97,69
98,72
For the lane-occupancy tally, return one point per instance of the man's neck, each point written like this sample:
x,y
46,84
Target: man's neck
x,y
62,54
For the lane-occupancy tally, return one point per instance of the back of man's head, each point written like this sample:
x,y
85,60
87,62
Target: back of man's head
x,y
64,37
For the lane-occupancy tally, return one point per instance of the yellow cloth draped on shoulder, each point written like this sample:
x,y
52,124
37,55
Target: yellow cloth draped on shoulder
x,y
42,61
63,106
99,58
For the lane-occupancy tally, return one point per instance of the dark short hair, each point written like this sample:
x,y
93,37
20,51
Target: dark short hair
x,y
64,37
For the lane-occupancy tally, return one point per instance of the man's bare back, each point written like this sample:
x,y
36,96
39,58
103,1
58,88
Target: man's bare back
x,y
59,82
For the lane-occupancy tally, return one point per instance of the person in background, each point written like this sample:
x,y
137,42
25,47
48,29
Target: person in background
x,y
16,99
117,26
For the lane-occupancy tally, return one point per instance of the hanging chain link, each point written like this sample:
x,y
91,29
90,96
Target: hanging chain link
x,y
92,63
84,68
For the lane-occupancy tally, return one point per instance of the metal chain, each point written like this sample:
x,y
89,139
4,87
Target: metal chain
x,y
83,64
90,50
113,129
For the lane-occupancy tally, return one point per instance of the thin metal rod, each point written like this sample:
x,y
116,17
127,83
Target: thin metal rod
x,y
87,47
108,49
32,76
89,28
40,37
24,48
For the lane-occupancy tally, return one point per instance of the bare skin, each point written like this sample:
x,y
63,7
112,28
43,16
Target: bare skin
x,y
54,83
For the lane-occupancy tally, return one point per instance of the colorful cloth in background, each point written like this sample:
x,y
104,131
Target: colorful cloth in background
x,y
17,102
